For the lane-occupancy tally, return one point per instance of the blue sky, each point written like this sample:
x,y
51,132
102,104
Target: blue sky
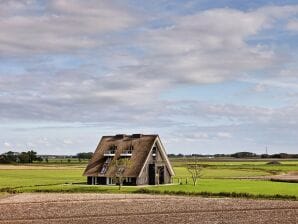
x,y
207,76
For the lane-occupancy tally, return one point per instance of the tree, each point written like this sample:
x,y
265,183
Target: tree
x,y
84,155
11,156
195,169
39,159
32,156
243,155
24,157
120,166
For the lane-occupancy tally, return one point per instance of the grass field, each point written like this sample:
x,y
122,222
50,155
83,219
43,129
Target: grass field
x,y
217,177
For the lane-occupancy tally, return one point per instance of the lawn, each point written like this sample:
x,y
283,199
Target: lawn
x,y
254,187
212,172
217,177
31,176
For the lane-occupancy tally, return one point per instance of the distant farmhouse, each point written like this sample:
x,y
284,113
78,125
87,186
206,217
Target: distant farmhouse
x,y
148,161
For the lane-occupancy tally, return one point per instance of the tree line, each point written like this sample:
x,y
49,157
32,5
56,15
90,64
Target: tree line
x,y
239,155
22,157
31,156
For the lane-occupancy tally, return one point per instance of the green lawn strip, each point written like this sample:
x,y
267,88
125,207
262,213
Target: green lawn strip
x,y
219,194
181,172
253,187
205,187
183,162
21,178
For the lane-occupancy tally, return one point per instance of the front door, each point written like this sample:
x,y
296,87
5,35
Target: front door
x,y
151,174
161,171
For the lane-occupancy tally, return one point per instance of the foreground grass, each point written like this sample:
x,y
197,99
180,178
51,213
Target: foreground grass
x,y
254,187
31,177
217,180
213,172
205,187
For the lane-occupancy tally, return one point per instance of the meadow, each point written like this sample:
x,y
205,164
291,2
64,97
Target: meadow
x,y
236,178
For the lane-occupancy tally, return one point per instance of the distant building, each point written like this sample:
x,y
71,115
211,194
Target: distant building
x,y
148,160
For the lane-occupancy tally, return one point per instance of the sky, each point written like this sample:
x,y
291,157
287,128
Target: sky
x,y
207,76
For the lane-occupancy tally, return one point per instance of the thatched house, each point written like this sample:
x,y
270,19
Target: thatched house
x,y
148,161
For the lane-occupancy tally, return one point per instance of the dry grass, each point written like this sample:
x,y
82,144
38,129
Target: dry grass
x,y
38,167
121,208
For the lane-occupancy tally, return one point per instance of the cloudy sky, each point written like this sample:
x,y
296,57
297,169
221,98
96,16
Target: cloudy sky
x,y
207,76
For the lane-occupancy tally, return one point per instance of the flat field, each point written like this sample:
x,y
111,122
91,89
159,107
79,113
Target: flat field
x,y
132,208
243,178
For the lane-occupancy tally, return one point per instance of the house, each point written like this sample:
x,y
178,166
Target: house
x,y
148,161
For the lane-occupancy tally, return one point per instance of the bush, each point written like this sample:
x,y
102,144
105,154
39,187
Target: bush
x,y
273,163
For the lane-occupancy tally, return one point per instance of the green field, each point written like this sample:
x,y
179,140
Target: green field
x,y
218,177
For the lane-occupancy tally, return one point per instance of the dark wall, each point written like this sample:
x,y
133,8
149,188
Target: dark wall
x,y
132,183
99,180
89,180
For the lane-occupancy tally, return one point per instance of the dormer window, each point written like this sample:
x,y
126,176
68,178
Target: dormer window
x,y
128,151
111,151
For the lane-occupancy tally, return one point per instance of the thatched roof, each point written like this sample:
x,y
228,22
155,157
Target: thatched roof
x,y
141,144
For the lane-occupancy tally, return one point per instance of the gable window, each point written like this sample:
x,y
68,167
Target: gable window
x,y
154,152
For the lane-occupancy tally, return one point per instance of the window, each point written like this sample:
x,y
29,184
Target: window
x,y
154,150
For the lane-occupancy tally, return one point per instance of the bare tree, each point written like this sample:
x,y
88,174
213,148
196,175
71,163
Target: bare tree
x,y
120,166
195,169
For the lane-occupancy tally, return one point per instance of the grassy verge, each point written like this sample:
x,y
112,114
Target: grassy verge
x,y
147,190
69,188
205,187
254,187
219,194
217,180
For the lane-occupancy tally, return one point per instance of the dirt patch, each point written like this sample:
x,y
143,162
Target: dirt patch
x,y
121,208
288,177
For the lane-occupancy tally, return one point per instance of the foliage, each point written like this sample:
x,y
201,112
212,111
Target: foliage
x,y
195,170
84,155
120,165
23,157
243,155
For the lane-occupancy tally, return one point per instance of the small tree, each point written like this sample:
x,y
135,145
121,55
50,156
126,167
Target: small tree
x,y
24,157
120,166
195,169
32,156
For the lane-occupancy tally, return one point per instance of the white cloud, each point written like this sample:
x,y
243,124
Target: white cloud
x,y
260,87
67,142
121,78
7,144
224,135
293,25
209,46
29,27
